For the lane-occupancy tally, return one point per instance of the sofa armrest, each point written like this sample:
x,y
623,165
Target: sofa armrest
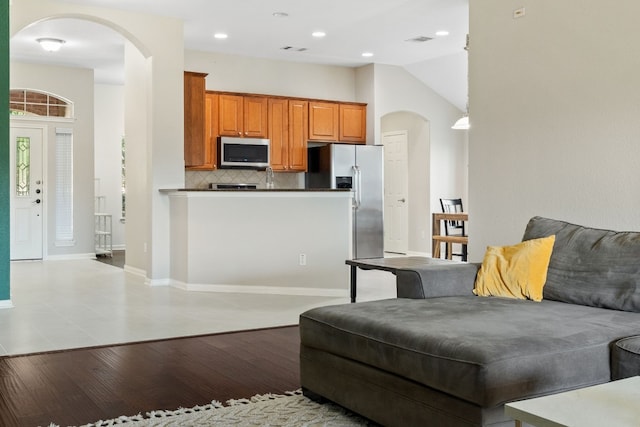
x,y
434,281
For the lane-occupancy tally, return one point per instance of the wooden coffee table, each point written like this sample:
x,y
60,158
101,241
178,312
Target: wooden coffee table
x,y
612,404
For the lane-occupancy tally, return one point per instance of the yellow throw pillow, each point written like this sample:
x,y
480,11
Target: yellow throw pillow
x,y
518,271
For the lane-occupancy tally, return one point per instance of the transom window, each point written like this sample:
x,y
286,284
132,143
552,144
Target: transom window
x,y
28,102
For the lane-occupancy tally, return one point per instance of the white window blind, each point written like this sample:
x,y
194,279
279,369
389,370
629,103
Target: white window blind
x,y
64,187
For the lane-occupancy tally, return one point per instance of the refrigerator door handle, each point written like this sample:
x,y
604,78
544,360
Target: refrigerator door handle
x,y
358,186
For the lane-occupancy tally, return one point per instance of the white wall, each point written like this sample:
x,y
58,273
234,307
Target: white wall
x,y
76,85
109,131
554,107
256,240
233,73
137,161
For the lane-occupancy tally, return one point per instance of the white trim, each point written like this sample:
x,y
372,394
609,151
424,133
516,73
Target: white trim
x,y
424,254
256,194
68,257
157,282
266,290
135,271
6,303
121,247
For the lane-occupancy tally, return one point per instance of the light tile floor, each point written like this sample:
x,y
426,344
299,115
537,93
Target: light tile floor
x,y
81,303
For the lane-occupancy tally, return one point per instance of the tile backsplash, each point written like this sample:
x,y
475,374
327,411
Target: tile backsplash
x,y
202,179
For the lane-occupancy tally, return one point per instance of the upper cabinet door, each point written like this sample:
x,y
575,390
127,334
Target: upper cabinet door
x,y
323,121
353,123
298,135
230,115
279,133
196,153
255,117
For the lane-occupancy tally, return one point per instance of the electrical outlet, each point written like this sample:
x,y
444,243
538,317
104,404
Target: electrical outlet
x,y
519,13
302,259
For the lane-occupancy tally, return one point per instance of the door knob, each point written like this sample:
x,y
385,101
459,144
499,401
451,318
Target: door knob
x,y
38,191
402,200
37,201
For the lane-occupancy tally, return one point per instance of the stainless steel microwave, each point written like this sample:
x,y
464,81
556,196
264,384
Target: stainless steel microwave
x,y
243,153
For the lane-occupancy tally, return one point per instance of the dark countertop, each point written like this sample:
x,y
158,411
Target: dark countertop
x,y
250,190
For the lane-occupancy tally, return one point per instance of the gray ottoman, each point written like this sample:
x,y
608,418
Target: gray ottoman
x,y
625,358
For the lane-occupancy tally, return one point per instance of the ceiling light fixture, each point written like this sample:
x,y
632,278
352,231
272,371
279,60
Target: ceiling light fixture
x,y
318,34
280,14
367,54
442,33
220,36
50,44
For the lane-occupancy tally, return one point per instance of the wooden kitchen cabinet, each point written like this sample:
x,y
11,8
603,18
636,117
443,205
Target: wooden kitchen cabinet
x,y
279,133
353,123
323,121
244,116
198,151
288,134
298,134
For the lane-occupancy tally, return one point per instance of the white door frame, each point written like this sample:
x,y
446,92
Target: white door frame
x,y
16,123
401,204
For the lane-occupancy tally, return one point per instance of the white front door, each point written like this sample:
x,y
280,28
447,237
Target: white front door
x,y
26,193
396,199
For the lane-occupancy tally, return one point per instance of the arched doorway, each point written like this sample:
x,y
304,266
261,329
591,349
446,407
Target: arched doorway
x,y
96,132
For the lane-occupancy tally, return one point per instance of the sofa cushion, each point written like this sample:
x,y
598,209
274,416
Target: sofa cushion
x,y
590,266
517,271
484,350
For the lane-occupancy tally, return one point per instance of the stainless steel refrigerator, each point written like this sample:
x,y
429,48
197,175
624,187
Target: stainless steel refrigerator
x,y
359,167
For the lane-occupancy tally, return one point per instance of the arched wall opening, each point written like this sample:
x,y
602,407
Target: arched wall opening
x,y
98,132
154,120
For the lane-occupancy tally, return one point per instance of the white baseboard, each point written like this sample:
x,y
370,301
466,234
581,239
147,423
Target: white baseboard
x,y
135,271
157,282
424,254
6,303
69,257
265,290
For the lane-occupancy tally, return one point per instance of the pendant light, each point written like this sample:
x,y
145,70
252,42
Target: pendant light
x,y
463,122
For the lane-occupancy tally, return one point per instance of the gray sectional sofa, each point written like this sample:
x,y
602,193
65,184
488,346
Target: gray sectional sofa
x,y
440,356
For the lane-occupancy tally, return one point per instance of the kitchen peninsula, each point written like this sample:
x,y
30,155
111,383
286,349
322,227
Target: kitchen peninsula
x,y
261,241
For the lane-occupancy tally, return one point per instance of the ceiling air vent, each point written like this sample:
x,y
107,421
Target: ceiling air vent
x,y
294,49
419,39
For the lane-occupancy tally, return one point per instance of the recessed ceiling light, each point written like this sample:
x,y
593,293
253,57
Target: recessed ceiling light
x,y
318,34
442,33
280,14
220,36
367,54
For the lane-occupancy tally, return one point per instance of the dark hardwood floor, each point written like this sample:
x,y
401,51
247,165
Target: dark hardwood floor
x,y
116,259
80,386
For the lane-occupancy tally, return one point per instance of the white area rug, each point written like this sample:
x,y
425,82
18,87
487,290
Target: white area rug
x,y
273,410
